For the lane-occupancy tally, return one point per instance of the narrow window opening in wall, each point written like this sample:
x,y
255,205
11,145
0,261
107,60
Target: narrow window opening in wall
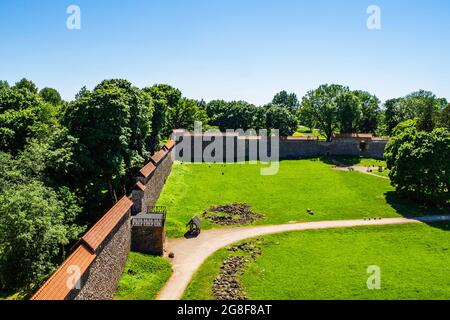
x,y
363,146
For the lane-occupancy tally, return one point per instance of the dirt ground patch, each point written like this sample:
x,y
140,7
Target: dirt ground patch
x,y
232,214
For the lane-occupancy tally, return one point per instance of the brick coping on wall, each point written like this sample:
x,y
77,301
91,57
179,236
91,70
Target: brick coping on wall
x,y
63,280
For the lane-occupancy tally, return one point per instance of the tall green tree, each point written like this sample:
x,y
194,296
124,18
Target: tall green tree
x,y
419,164
287,100
4,85
349,112
36,223
392,115
183,115
282,119
164,97
27,85
51,96
444,118
111,125
23,115
370,112
320,108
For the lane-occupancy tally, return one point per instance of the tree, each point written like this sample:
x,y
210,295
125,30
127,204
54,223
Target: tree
x,y
183,115
444,118
280,118
349,112
4,85
422,105
320,108
286,100
419,164
391,115
370,112
27,85
164,97
36,222
23,115
111,125
235,115
51,96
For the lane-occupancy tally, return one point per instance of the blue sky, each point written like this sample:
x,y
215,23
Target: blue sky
x,y
230,49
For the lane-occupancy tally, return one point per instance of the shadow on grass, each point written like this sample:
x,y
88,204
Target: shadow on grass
x,y
344,161
410,209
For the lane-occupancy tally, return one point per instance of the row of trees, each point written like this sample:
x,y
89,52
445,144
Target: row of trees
x,y
63,163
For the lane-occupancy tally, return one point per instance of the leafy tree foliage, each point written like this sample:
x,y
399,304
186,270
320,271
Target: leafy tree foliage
x,y
111,125
235,115
286,100
184,114
51,96
349,112
444,118
419,164
23,115
4,85
370,112
26,85
320,108
282,119
164,97
36,222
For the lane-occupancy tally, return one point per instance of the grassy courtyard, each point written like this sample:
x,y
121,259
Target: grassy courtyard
x,y
332,264
143,277
282,198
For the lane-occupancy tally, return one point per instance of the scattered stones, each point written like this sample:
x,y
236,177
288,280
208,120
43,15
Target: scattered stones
x,y
232,214
226,286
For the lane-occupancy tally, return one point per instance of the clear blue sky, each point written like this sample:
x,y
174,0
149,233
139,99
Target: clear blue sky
x,y
230,49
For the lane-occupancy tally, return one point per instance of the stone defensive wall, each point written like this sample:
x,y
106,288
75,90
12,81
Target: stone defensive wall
x,y
93,269
231,147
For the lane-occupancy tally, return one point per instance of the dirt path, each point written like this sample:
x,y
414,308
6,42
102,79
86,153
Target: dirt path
x,y
362,170
191,253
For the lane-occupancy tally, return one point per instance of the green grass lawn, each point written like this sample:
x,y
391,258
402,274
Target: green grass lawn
x,y
282,198
332,264
143,277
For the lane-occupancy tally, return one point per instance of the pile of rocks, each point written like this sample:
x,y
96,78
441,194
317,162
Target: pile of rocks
x,y
227,286
232,214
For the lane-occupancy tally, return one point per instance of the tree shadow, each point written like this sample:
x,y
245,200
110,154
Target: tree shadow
x,y
409,209
342,161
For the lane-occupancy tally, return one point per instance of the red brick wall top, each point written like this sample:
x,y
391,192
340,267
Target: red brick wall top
x,y
139,186
59,285
147,170
102,229
159,156
169,145
353,135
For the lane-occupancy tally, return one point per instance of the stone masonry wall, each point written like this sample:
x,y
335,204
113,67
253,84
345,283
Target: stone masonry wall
x,y
101,280
290,149
155,184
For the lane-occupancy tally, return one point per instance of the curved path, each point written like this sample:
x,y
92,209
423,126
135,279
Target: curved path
x,y
191,253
